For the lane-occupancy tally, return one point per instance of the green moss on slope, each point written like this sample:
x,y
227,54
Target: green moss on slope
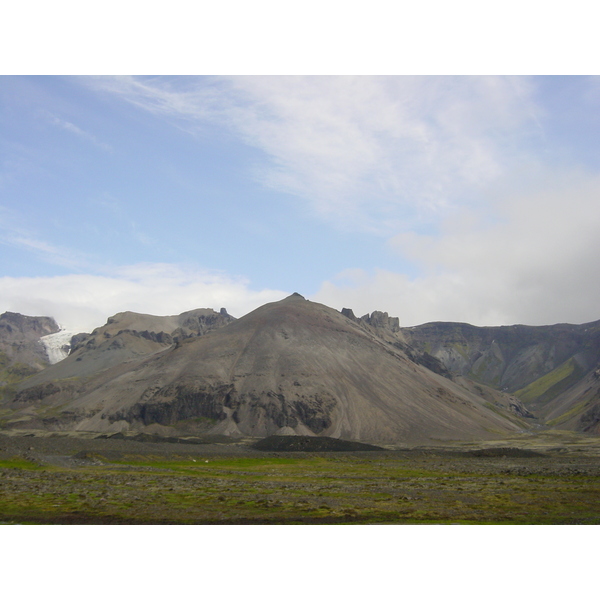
x,y
552,383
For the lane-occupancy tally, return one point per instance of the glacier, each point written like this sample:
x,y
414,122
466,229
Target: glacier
x,y
57,345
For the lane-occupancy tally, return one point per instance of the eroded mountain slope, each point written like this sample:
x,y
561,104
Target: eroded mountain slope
x,y
292,366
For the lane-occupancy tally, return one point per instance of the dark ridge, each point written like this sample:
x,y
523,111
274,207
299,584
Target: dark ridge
x,y
302,443
159,439
504,452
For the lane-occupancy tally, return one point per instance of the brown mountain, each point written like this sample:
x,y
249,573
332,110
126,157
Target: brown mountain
x,y
292,366
21,353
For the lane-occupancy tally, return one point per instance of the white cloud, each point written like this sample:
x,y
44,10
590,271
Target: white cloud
x,y
537,262
378,153
510,239
83,302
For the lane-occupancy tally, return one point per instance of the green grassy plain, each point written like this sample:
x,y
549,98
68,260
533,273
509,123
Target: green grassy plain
x,y
408,487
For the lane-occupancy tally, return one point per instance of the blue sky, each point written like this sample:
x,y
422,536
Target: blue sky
x,y
470,199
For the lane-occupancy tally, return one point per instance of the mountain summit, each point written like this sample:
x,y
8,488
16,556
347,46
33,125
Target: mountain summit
x,y
289,367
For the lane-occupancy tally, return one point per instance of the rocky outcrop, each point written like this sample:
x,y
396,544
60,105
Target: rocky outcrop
x,y
14,326
172,404
349,314
20,338
382,320
194,324
41,392
377,319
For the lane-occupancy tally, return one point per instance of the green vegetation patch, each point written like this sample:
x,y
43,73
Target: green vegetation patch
x,y
578,408
552,383
462,349
19,463
390,488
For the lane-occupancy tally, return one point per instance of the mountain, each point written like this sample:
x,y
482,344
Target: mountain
x,y
554,370
300,367
21,353
127,336
289,367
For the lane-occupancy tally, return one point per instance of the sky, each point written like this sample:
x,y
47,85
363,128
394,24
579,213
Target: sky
x,y
434,198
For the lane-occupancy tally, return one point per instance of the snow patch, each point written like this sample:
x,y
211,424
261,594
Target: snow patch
x,y
57,345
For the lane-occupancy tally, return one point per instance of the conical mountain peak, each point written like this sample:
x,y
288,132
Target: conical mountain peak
x,y
289,366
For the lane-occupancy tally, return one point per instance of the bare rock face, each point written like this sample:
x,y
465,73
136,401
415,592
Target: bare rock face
x,y
382,320
589,422
377,319
20,335
349,314
289,367
21,352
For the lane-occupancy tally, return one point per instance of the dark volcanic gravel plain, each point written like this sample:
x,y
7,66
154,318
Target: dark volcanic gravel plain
x,y
551,478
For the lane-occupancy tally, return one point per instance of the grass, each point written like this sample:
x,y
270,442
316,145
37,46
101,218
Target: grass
x,y
312,489
18,463
575,410
544,384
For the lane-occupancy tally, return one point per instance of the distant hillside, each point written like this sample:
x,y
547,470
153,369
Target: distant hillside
x,y
553,370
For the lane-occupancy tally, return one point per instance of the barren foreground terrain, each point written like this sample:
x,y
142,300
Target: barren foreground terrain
x,y
549,478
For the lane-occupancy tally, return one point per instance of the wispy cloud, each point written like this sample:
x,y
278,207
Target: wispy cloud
x,y
187,98
17,236
464,176
50,253
71,128
383,153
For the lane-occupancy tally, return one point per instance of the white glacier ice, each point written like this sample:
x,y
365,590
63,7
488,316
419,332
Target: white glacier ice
x,y
57,345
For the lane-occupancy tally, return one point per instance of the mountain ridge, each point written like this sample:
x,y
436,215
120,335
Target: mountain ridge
x,y
291,366
549,372
541,365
